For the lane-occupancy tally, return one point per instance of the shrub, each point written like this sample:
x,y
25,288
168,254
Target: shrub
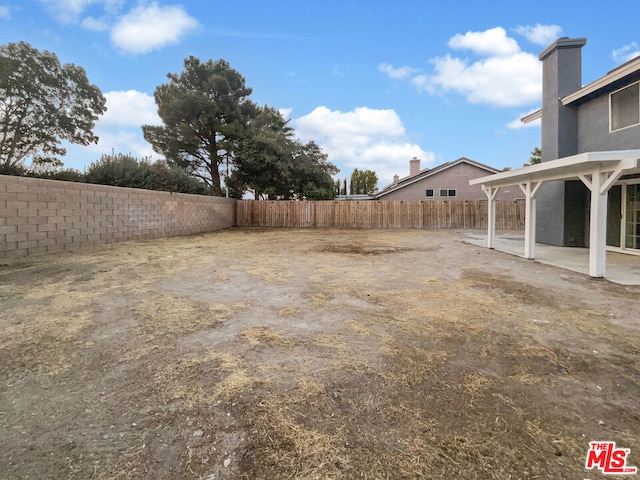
x,y
14,170
126,171
67,175
120,171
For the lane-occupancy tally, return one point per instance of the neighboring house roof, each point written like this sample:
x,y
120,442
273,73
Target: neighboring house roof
x,y
354,196
428,172
605,83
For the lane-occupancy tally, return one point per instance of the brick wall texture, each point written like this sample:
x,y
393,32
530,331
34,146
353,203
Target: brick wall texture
x,y
44,216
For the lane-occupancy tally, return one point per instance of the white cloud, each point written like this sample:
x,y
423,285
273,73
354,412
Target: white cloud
x,y
147,28
130,108
503,81
396,73
144,28
626,53
363,138
5,13
492,42
69,11
517,124
358,122
126,141
285,112
95,24
119,129
502,76
539,34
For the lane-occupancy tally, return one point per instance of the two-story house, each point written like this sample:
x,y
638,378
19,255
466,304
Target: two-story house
x,y
586,191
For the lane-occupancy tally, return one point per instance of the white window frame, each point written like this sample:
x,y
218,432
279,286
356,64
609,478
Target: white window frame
x,y
611,129
433,192
623,220
455,192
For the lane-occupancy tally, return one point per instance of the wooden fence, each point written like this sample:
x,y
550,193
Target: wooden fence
x,y
373,214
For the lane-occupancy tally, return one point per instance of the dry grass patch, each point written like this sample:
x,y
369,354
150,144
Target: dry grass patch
x,y
359,328
290,446
475,383
172,315
270,272
203,380
334,340
523,376
537,351
264,336
287,311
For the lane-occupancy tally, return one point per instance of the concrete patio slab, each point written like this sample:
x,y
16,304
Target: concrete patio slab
x,y
620,268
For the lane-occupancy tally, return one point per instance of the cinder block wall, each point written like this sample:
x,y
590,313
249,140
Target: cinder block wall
x,y
44,216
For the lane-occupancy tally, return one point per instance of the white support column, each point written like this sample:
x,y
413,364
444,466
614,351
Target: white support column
x,y
598,225
490,192
530,189
530,228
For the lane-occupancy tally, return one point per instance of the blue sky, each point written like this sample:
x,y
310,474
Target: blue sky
x,y
373,82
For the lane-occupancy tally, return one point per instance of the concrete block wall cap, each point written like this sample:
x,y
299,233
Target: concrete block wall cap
x,y
563,42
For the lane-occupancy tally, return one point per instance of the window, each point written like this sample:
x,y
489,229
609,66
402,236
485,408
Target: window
x,y
444,192
624,106
429,192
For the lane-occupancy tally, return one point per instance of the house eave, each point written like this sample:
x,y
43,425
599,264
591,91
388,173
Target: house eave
x,y
603,82
532,117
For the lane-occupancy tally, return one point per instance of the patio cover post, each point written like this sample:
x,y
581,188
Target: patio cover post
x,y
598,225
599,185
491,192
530,189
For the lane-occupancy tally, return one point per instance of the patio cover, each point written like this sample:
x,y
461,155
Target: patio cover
x,y
599,171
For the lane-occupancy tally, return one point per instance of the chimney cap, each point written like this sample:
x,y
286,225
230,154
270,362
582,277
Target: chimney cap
x,y
564,42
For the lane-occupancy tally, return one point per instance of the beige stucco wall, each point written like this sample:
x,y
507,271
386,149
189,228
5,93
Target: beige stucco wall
x,y
456,177
45,216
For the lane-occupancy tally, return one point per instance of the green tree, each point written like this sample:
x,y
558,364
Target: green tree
x,y
43,103
363,181
536,157
205,111
261,162
269,162
312,172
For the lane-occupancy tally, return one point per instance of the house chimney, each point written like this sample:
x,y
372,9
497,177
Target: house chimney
x,y
414,166
396,178
561,75
558,203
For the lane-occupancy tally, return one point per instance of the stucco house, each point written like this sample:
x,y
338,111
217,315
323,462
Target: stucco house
x,y
586,191
449,181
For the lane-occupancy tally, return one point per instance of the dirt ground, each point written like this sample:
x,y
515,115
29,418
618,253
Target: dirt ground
x,y
311,354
